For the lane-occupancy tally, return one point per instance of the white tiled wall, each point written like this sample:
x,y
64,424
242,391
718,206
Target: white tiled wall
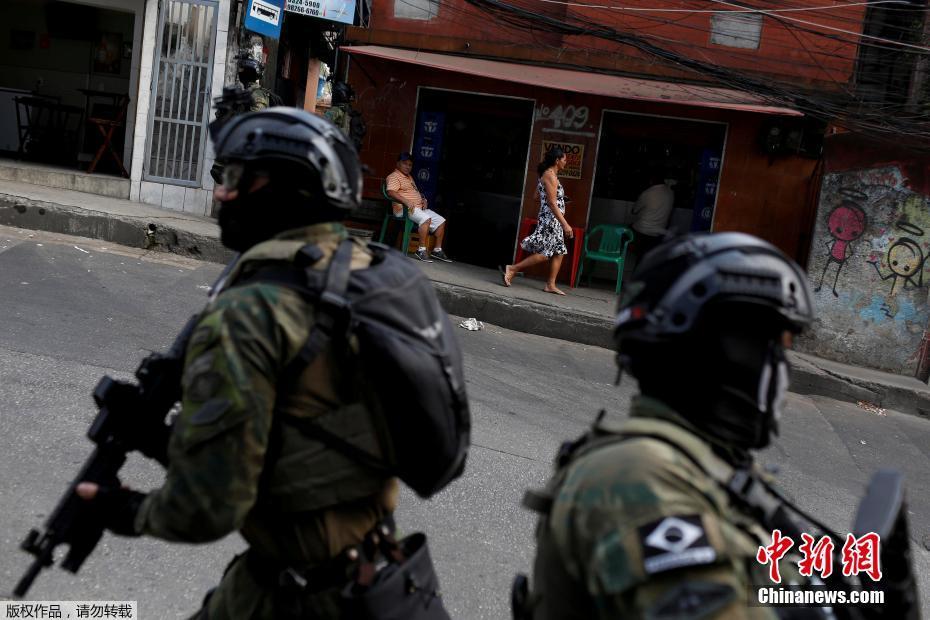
x,y
151,193
195,201
144,98
175,197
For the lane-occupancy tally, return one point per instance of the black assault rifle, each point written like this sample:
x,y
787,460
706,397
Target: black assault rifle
x,y
131,417
127,411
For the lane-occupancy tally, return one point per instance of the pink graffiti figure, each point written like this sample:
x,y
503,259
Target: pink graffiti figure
x,y
846,223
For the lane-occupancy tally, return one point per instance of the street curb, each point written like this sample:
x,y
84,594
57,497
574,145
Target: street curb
x,y
809,379
139,232
526,316
154,233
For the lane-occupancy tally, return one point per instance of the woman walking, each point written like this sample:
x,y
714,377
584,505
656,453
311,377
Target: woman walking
x,y
547,242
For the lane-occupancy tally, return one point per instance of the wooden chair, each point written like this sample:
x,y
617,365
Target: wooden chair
x,y
108,127
47,130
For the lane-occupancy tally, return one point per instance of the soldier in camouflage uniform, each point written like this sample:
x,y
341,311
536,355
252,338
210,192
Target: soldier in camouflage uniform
x,y
638,522
341,113
250,74
235,463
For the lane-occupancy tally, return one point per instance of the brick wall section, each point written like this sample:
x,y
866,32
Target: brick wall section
x,y
783,52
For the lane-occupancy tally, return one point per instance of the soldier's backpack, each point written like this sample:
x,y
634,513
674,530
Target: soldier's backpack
x,y
407,352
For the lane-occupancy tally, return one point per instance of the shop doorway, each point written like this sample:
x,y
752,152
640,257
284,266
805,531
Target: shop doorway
x,y
67,70
471,163
633,148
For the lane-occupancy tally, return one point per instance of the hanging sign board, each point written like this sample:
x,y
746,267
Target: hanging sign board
x,y
264,17
574,153
342,11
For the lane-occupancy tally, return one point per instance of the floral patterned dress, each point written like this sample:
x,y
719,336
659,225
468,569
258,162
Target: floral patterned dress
x,y
548,238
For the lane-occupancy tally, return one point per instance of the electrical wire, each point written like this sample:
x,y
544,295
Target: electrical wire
x,y
741,10
446,8
824,26
842,111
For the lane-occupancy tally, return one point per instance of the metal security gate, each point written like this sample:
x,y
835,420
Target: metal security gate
x,y
181,86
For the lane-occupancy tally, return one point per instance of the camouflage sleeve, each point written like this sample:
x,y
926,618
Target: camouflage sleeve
x,y
646,540
218,444
260,100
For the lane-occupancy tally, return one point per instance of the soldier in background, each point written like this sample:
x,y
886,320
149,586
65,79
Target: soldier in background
x,y
254,98
343,116
639,521
250,72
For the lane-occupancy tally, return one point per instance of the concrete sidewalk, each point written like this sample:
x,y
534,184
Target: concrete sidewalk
x,y
585,315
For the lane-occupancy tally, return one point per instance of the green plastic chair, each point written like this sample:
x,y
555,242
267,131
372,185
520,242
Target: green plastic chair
x,y
612,249
409,225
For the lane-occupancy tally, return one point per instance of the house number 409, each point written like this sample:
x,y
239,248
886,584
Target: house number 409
x,y
569,117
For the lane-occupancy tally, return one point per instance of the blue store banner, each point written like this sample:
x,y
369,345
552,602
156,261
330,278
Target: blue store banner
x,y
265,17
427,152
706,194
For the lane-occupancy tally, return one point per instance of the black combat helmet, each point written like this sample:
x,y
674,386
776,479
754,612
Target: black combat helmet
x,y
319,158
702,328
675,283
249,69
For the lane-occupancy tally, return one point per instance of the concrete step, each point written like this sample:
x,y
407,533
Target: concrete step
x,y
63,178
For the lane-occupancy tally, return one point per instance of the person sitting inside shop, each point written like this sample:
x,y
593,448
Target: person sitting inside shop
x,y
403,190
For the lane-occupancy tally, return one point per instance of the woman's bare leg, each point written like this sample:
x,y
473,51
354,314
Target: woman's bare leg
x,y
511,270
554,266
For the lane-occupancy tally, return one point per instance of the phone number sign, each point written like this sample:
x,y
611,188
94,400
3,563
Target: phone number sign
x,y
574,153
342,11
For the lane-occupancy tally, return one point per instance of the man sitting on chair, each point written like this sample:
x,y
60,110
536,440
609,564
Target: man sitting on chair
x,y
403,190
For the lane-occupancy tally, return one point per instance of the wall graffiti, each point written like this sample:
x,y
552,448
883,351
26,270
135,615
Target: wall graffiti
x,y
906,260
868,266
846,223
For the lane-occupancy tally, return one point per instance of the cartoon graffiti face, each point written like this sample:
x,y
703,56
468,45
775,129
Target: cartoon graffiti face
x,y
905,258
846,222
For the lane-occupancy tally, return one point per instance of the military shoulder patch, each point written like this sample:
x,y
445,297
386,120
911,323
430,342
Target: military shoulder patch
x,y
674,542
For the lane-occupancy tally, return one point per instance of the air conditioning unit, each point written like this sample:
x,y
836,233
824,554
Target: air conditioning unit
x,y
789,137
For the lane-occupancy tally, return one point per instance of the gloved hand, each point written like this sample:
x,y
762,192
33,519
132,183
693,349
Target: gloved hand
x,y
116,506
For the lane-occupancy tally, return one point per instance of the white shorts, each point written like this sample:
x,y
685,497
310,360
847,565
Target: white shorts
x,y
421,215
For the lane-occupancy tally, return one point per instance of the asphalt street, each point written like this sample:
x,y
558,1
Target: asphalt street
x,y
75,309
